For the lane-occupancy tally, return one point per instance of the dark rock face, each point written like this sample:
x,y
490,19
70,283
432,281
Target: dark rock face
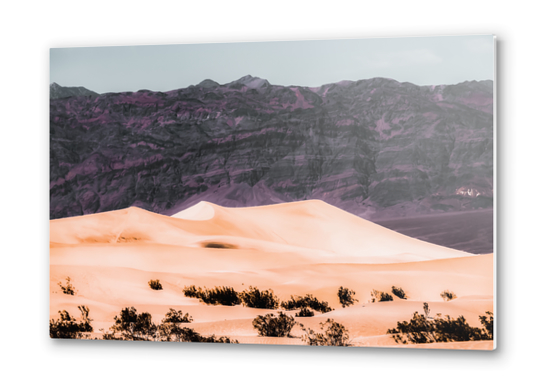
x,y
58,92
377,148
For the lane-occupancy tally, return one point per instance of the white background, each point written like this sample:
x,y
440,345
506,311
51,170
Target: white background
x,y
29,29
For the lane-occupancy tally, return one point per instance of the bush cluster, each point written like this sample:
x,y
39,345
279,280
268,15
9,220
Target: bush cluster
x,y
334,334
271,325
130,325
155,284
67,327
421,329
346,296
308,301
377,296
305,312
254,298
215,296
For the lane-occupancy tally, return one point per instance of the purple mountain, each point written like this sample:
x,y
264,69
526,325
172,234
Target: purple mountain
x,y
376,148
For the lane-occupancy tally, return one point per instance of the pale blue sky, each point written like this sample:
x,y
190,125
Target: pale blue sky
x,y
419,60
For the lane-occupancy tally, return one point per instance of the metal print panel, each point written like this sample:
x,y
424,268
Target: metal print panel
x,y
323,193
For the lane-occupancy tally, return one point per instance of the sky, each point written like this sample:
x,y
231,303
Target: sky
x,y
418,60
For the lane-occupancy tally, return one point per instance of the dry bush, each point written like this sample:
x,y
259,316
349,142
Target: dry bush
x,y
275,326
346,296
155,284
397,291
254,298
377,296
335,334
448,295
67,327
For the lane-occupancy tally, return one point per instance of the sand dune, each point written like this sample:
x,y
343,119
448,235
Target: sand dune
x,y
292,248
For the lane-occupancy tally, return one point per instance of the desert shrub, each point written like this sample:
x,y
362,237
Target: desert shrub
x,y
192,291
422,329
335,334
67,289
309,301
170,329
129,325
487,323
346,296
188,335
271,325
305,312
67,327
399,292
447,295
254,298
155,284
377,296
215,296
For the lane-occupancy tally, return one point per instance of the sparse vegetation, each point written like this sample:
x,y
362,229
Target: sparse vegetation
x,y
447,295
309,301
216,296
377,296
346,296
305,312
335,334
130,325
254,298
67,327
155,284
397,291
422,329
67,289
271,325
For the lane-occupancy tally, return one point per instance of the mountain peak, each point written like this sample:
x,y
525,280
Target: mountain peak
x,y
208,83
252,82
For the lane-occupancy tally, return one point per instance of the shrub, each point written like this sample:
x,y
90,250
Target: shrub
x,y
297,302
155,284
421,329
192,292
447,295
129,325
335,334
377,296
487,323
346,297
271,325
305,312
399,292
68,328
215,296
254,298
67,289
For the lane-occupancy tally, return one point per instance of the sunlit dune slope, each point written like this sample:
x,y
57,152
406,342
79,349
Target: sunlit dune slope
x,y
310,225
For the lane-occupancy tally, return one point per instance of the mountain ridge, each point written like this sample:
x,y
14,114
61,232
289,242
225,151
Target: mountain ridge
x,y
374,147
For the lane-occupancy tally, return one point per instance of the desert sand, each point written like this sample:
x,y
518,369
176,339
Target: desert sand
x,y
300,248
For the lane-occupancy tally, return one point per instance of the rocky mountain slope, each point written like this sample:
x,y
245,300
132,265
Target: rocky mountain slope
x,y
376,148
59,92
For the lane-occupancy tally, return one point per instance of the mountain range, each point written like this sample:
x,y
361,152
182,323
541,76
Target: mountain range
x,y
376,148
